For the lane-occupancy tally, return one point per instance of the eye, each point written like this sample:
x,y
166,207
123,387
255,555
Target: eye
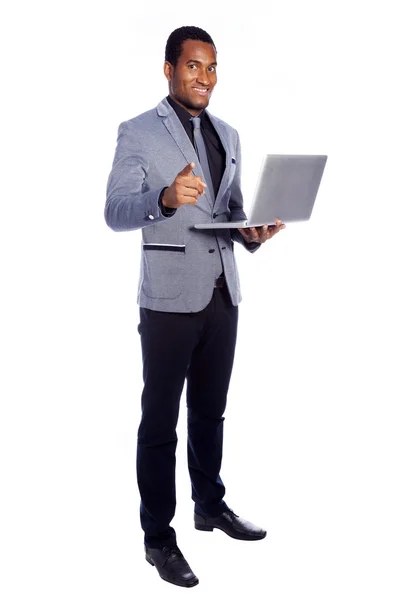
x,y
212,69
192,66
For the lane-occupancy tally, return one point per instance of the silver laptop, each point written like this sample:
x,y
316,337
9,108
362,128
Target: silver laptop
x,y
286,189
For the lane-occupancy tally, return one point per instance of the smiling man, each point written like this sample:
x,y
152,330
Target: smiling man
x,y
176,166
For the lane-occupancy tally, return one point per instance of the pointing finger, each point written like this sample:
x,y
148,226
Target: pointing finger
x,y
186,170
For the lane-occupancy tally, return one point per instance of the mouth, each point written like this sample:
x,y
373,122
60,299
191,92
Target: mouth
x,y
201,91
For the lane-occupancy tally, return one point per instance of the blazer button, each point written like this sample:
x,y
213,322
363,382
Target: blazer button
x,y
211,250
215,215
151,217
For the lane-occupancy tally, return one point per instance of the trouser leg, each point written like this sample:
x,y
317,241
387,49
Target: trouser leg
x,y
167,341
207,387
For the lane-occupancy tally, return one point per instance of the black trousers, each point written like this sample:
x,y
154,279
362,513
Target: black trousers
x,y
198,347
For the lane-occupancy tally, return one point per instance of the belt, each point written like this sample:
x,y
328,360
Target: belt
x,y
220,281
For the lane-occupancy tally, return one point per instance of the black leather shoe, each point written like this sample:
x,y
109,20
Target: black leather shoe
x,y
171,565
231,524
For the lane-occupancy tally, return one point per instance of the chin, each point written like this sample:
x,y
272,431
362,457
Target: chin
x,y
194,103
200,103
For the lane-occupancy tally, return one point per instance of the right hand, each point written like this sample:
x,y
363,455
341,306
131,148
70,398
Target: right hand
x,y
185,189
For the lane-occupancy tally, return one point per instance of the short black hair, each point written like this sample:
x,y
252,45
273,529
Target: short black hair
x,y
173,49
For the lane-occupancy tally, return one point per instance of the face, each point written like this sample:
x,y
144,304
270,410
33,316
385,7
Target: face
x,y
193,79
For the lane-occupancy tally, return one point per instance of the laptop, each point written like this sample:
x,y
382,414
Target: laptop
x,y
286,190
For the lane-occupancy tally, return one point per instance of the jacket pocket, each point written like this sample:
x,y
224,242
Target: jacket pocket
x,y
163,270
165,247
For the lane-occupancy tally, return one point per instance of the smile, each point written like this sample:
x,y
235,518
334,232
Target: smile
x,y
201,91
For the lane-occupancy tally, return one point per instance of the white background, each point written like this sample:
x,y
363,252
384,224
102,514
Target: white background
x,y
312,428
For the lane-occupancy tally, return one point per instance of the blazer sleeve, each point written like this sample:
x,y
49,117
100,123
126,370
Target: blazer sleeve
x,y
128,207
236,203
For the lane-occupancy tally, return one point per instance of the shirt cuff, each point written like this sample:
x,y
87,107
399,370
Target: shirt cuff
x,y
165,211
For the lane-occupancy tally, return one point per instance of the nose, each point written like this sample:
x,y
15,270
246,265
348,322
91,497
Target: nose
x,y
203,77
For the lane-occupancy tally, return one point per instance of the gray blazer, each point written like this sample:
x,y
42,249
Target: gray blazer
x,y
179,264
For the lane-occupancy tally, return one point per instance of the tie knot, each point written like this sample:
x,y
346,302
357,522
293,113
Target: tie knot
x,y
196,122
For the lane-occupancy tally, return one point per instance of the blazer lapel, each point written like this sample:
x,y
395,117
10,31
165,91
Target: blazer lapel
x,y
224,137
175,128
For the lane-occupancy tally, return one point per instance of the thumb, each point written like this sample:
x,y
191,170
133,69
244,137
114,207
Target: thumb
x,y
186,170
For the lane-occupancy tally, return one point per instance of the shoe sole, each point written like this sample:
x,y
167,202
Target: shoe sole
x,y
235,537
191,583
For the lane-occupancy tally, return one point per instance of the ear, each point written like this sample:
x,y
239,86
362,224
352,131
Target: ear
x,y
168,70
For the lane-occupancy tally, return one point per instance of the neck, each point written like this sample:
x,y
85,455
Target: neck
x,y
192,111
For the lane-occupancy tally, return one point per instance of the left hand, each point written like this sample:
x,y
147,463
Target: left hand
x,y
263,233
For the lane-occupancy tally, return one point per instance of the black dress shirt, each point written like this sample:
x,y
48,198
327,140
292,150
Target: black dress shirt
x,y
215,150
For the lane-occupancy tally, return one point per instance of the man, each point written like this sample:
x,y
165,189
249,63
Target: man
x,y
175,166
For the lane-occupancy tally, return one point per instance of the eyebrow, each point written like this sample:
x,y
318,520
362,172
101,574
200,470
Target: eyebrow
x,y
192,60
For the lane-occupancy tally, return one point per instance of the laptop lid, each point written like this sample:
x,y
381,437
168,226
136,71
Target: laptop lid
x,y
287,188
